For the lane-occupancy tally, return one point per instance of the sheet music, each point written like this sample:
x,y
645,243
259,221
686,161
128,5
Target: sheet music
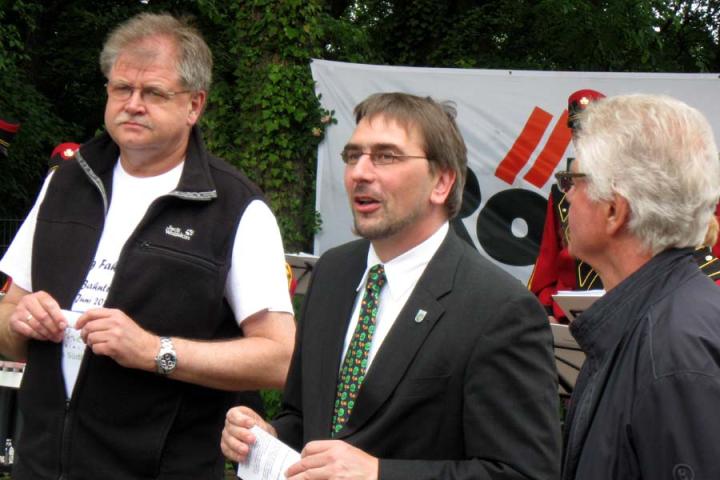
x,y
11,373
574,302
72,352
269,458
302,265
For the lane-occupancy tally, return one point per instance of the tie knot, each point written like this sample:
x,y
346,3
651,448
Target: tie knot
x,y
376,277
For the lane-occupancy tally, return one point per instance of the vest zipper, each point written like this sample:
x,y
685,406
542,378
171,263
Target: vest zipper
x,y
94,179
65,438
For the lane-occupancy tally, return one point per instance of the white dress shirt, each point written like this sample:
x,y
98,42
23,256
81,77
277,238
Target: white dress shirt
x,y
402,273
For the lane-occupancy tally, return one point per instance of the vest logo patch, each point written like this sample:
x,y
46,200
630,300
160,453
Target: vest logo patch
x,y
179,232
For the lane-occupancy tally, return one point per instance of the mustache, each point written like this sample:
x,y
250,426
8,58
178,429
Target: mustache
x,y
124,117
366,190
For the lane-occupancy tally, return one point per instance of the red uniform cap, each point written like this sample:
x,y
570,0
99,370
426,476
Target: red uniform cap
x,y
577,102
64,151
8,129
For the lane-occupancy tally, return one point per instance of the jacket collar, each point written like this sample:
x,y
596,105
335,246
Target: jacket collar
x,y
601,327
196,182
98,157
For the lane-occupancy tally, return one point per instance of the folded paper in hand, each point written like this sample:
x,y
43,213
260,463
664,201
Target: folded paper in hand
x,y
269,458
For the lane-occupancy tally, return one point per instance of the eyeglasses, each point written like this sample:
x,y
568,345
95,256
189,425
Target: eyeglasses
x,y
566,180
150,95
352,157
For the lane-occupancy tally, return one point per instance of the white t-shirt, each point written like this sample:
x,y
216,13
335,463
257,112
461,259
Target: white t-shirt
x,y
131,197
256,281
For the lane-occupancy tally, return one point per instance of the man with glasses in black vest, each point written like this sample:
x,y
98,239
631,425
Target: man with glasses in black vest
x,y
149,281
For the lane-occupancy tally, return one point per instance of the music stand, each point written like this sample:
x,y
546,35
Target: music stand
x,y
11,374
302,265
568,358
574,302
568,355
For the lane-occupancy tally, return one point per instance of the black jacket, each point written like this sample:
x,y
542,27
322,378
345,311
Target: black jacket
x,y
647,398
463,386
122,423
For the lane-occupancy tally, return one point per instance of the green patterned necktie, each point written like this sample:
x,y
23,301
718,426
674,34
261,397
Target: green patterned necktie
x,y
354,365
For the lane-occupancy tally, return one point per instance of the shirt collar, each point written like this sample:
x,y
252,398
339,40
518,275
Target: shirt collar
x,y
403,271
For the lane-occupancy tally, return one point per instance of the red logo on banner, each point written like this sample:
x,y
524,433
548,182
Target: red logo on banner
x,y
527,142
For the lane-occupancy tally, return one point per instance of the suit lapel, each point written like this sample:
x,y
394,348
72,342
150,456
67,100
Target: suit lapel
x,y
407,334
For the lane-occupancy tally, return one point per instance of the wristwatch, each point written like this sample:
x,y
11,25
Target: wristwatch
x,y
166,359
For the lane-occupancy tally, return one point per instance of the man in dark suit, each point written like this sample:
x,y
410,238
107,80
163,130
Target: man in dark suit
x,y
443,368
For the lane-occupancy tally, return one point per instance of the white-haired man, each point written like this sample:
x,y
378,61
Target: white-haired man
x,y
642,191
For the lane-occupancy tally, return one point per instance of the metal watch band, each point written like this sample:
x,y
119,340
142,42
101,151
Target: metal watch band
x,y
166,359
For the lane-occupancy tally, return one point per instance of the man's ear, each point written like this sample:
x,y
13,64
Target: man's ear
x,y
443,184
197,104
618,214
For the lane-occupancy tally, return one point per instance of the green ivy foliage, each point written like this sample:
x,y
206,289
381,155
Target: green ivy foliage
x,y
263,113
272,401
23,170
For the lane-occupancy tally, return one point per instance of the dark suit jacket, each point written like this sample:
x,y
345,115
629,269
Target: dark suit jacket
x,y
470,392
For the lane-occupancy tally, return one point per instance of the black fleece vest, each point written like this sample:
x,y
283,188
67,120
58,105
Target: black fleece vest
x,y
170,278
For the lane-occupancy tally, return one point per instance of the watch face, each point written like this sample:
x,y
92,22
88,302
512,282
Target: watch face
x,y
167,361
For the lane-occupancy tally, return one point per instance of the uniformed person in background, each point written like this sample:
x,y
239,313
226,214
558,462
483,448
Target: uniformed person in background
x,y
555,269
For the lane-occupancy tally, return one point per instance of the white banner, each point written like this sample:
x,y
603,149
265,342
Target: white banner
x,y
514,125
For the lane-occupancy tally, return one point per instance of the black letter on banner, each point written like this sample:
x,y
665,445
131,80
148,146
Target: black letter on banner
x,y
494,226
470,203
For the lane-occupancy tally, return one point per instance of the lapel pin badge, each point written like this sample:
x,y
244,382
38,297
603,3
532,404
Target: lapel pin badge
x,y
420,316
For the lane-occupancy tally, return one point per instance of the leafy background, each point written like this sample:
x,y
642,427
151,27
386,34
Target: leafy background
x,y
263,114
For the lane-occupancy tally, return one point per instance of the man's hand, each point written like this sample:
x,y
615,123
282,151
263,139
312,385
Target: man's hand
x,y
37,315
333,460
236,438
108,331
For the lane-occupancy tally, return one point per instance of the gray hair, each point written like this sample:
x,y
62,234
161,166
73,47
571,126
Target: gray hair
x,y
442,142
194,62
660,155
